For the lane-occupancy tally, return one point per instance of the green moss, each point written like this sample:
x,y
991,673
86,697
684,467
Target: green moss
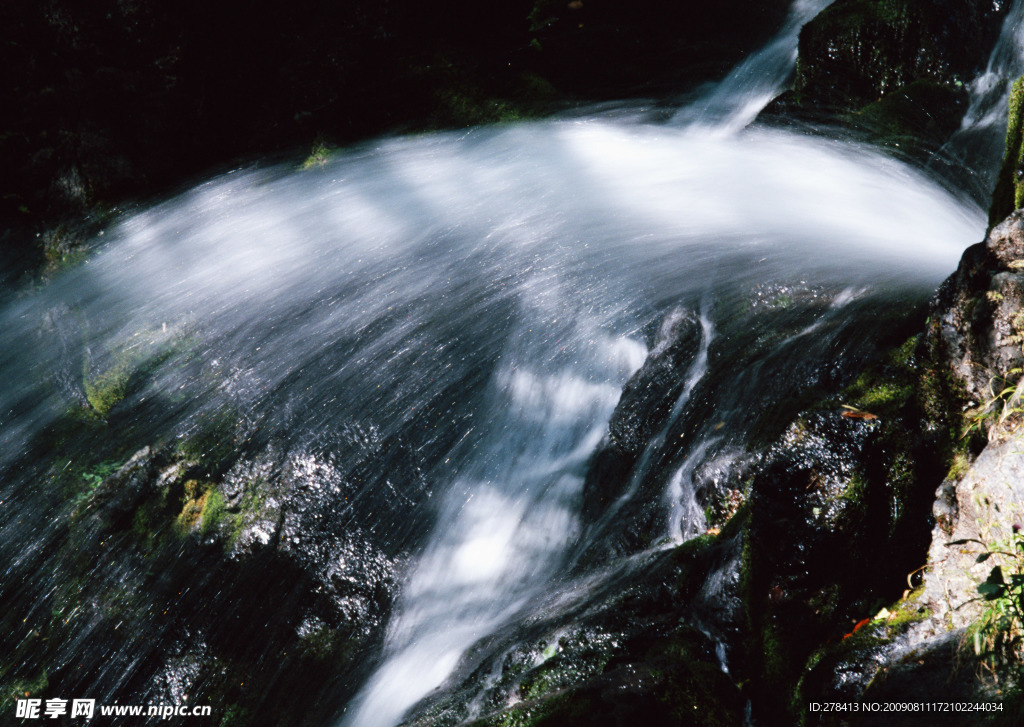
x,y
326,645
891,383
923,111
903,356
11,692
109,387
202,508
1009,191
540,682
901,478
235,715
549,651
908,610
214,511
698,692
147,522
524,715
211,442
580,657
958,468
777,660
739,520
832,41
110,376
319,155
855,492
873,393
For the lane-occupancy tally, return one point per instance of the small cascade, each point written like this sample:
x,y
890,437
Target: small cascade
x,y
736,101
977,147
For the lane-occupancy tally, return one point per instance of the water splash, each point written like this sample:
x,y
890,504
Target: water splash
x,y
489,291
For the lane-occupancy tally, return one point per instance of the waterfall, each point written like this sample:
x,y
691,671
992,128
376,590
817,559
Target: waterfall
x,y
733,103
660,212
484,565
478,299
977,147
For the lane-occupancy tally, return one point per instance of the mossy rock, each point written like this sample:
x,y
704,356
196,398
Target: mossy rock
x,y
12,691
858,51
1009,192
674,684
922,113
839,516
111,375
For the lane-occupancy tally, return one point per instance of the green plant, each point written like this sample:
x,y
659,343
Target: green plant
x,y
94,477
998,636
1001,406
319,155
100,472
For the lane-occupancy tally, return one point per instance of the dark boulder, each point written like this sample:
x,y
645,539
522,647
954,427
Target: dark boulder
x,y
858,51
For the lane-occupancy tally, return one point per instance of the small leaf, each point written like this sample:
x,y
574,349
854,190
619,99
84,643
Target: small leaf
x,y
964,541
866,415
996,576
983,557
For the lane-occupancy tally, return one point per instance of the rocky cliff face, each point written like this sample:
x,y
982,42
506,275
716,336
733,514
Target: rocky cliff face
x,y
850,573
946,644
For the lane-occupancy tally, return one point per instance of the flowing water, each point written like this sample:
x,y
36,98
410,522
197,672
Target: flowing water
x,y
976,148
486,295
732,104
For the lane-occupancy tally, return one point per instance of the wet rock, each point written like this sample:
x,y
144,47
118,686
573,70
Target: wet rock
x,y
639,644
977,324
889,72
117,498
644,408
648,396
167,570
857,51
922,642
987,502
883,669
1006,240
1008,194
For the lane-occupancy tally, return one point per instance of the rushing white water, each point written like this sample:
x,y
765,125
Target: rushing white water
x,y
535,253
661,212
494,287
978,145
737,100
990,90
